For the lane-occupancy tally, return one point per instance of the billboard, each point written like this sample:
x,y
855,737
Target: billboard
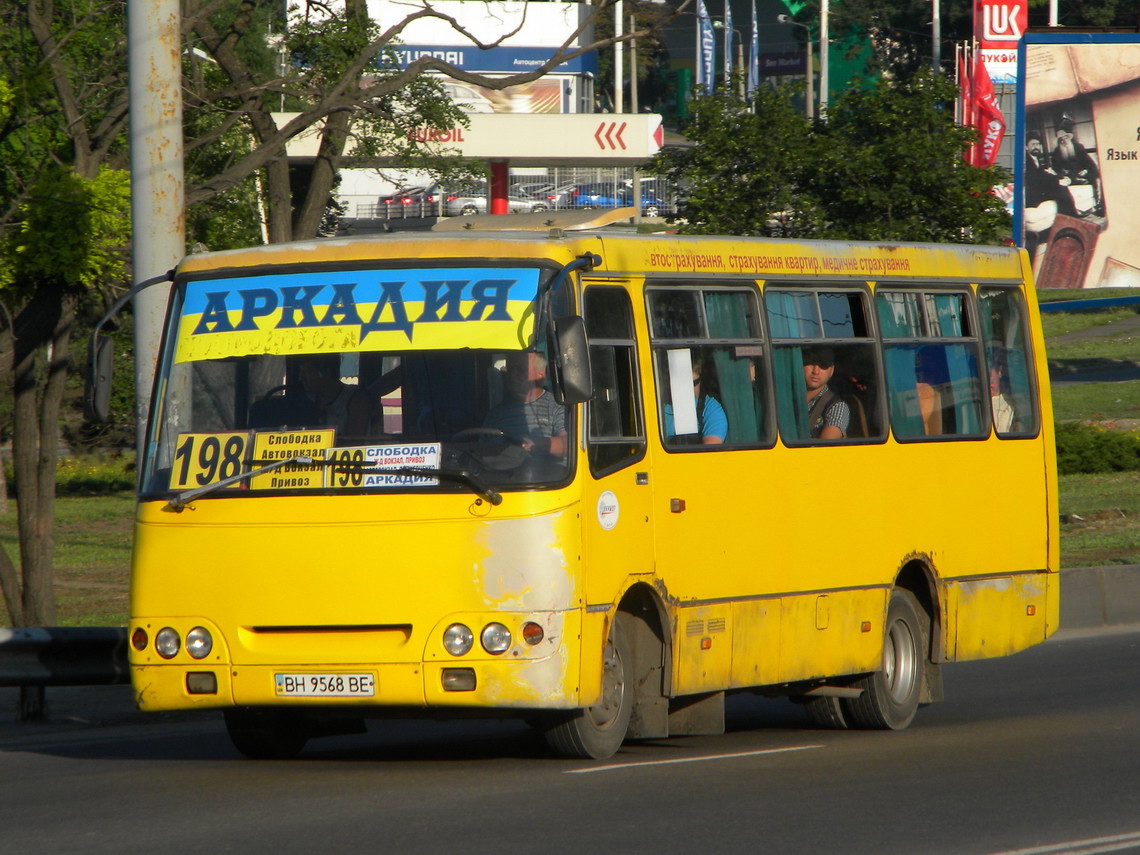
x,y
1079,169
520,36
998,28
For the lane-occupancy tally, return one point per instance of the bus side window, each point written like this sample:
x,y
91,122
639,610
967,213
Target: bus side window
x,y
708,358
826,365
931,357
1013,402
616,429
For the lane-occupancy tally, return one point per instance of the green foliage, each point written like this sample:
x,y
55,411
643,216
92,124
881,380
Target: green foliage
x,y
744,173
72,229
1089,449
884,163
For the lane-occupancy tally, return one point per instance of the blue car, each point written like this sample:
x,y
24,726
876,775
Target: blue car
x,y
611,196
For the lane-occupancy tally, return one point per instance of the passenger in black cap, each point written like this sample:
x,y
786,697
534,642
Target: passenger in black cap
x,y
828,414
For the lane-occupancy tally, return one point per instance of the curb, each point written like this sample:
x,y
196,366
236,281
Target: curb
x,y
1093,597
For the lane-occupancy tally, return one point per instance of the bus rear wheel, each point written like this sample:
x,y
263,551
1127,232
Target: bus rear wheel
x,y
890,695
266,734
597,732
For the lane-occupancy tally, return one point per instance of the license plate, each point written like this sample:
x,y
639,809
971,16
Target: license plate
x,y
326,685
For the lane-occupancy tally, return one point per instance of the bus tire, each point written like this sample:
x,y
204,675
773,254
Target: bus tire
x,y
890,695
826,712
265,734
597,732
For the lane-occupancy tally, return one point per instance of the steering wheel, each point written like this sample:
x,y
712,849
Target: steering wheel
x,y
503,452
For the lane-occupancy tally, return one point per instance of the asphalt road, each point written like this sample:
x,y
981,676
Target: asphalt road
x,y
1035,753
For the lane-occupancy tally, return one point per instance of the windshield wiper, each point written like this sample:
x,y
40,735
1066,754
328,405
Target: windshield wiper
x,y
460,476
181,500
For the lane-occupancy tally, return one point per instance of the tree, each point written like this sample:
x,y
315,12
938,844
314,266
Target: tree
x,y
64,226
47,280
884,163
889,165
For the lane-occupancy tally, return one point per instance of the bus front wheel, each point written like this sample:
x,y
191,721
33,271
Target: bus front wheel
x,y
266,734
597,732
890,695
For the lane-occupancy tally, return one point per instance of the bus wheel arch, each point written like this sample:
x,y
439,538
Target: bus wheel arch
x,y
635,679
919,577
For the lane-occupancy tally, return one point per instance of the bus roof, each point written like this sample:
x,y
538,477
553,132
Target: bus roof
x,y
561,236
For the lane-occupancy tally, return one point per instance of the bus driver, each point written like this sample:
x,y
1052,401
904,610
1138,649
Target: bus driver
x,y
529,412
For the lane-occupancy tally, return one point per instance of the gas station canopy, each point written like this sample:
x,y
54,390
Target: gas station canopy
x,y
535,139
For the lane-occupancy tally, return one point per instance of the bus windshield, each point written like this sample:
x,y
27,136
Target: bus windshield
x,y
395,379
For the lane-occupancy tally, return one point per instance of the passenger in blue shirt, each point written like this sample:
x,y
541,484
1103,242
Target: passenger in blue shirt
x,y
712,423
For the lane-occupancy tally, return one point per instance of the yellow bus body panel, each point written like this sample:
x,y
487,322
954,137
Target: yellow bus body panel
x,y
343,584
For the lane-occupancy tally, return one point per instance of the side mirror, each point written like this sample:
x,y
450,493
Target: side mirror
x,y
575,381
97,390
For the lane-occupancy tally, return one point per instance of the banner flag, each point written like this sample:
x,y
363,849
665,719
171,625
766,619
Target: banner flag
x,y
754,56
986,117
727,41
707,48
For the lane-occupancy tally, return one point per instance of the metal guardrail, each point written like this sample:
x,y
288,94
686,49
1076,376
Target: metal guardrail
x,y
63,656
1088,305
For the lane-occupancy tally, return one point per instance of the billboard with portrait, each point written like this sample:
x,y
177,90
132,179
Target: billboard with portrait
x,y
1079,171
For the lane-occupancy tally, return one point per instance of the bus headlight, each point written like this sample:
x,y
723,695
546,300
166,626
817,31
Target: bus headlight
x,y
495,638
199,643
458,639
167,643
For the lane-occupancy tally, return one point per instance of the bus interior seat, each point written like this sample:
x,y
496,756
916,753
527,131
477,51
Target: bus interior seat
x,y
930,405
858,427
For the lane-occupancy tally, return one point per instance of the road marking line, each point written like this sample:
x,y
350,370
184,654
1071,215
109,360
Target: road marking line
x,y
589,769
1088,846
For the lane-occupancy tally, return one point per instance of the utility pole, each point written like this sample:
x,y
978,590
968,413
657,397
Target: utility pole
x,y
158,219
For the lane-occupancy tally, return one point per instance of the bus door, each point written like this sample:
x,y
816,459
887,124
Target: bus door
x,y
617,495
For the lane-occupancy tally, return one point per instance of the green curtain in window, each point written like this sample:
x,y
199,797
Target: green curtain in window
x,y
791,392
727,318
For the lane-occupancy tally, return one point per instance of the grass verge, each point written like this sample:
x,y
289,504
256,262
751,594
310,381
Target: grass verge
x,y
92,558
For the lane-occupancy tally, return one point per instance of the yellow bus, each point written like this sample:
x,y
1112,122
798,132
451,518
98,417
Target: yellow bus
x,y
533,466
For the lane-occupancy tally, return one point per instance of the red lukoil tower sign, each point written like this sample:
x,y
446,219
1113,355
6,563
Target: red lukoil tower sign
x,y
998,27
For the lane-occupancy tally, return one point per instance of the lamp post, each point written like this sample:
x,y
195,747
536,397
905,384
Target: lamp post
x,y
719,25
809,95
619,84
824,53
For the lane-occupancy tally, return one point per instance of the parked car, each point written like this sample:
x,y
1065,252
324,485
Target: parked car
x,y
613,196
661,190
532,189
421,200
562,196
473,200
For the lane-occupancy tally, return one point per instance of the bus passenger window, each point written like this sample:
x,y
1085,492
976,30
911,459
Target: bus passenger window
x,y
1013,402
826,365
709,394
